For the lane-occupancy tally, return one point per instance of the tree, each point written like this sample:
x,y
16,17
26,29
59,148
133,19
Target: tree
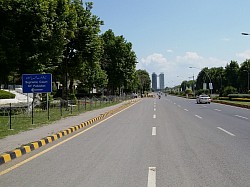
x,y
231,74
144,80
217,78
83,51
33,34
244,76
118,60
203,77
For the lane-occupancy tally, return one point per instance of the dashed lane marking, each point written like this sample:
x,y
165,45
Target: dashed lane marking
x,y
217,110
198,116
241,117
153,131
152,177
231,134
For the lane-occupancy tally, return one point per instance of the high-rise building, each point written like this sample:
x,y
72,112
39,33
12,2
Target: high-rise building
x,y
161,80
154,81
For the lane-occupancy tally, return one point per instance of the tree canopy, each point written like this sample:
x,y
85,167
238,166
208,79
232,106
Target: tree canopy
x,y
62,37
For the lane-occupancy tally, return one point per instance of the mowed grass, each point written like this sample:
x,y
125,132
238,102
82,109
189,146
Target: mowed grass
x,y
23,121
238,103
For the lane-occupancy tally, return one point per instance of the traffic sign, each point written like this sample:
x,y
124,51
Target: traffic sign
x,y
37,83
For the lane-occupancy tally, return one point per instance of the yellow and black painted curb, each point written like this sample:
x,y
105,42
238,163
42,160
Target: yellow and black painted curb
x,y
8,156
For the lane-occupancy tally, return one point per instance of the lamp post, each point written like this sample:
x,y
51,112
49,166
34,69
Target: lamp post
x,y
210,82
246,34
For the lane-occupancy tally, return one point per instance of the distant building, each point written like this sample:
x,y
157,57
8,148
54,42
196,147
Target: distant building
x,y
154,81
161,80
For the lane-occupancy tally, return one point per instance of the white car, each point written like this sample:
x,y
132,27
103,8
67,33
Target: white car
x,y
203,99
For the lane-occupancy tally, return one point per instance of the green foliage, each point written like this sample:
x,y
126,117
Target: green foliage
x,y
188,91
201,91
238,96
231,74
118,60
144,80
6,95
229,90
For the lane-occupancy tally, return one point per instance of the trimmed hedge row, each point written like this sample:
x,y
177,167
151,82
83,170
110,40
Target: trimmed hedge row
x,y
232,104
6,95
239,96
241,99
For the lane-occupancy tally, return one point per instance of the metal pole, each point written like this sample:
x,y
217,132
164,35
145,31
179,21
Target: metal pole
x,y
193,85
10,115
32,112
48,104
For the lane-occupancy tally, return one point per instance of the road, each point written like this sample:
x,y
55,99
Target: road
x,y
157,142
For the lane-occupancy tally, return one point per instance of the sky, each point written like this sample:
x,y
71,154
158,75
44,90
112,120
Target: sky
x,y
169,36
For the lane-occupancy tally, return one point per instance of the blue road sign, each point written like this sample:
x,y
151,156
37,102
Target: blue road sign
x,y
37,83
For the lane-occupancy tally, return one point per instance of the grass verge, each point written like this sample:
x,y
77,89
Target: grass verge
x,y
23,121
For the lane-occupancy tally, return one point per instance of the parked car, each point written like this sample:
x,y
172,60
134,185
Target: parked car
x,y
203,99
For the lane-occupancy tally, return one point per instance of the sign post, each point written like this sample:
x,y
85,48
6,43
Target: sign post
x,y
37,83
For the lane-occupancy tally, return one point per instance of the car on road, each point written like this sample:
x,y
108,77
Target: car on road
x,y
203,99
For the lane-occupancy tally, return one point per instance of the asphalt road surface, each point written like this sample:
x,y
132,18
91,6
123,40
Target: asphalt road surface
x,y
157,142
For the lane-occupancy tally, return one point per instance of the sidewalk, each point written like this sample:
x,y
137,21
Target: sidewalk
x,y
14,141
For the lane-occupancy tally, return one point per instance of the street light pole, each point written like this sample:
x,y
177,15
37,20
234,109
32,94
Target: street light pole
x,y
246,34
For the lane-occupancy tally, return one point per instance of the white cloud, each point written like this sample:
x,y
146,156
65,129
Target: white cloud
x,y
244,55
177,69
189,56
225,39
153,63
170,51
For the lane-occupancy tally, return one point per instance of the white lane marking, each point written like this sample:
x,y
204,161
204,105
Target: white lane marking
x,y
152,177
198,116
226,131
60,143
241,116
154,116
186,110
179,106
154,109
217,110
153,131
174,103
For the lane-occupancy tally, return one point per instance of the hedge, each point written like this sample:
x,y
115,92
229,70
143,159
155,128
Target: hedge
x,y
239,96
6,95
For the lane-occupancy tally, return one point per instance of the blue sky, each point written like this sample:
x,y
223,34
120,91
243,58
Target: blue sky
x,y
169,36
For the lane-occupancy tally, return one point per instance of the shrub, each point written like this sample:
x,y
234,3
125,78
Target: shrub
x,y
188,91
201,91
239,96
229,90
6,95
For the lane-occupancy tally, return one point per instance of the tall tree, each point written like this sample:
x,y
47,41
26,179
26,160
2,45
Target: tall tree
x,y
118,60
203,77
144,80
231,74
84,50
244,73
33,33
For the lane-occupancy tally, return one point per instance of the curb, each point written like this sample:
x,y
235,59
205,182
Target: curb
x,y
232,104
10,155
